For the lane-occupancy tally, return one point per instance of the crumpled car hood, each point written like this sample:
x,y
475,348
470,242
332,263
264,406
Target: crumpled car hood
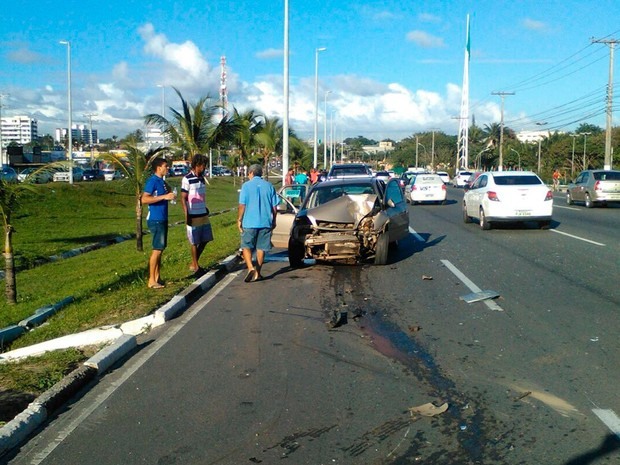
x,y
346,209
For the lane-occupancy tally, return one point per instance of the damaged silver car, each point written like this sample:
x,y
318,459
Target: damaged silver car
x,y
348,220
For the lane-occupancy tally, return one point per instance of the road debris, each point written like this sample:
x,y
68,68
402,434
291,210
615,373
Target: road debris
x,y
478,296
429,410
414,328
525,394
427,278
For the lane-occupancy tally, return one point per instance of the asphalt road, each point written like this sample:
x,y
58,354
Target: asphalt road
x,y
255,372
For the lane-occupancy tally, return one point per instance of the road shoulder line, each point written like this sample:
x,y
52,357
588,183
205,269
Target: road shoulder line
x,y
470,284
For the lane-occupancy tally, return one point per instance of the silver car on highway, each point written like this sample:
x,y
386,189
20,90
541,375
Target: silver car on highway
x,y
594,187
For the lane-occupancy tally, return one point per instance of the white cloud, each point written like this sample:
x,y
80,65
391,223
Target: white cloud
x,y
425,40
429,18
270,53
534,25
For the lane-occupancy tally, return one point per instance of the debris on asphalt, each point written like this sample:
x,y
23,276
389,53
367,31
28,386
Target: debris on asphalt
x,y
525,394
478,296
429,410
338,319
427,278
414,328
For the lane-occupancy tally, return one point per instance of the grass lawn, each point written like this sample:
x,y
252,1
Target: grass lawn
x,y
108,284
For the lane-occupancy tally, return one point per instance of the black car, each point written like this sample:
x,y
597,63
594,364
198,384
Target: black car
x,y
92,175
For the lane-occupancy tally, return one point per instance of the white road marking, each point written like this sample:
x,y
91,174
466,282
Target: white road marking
x,y
416,235
140,359
469,283
566,208
578,238
610,419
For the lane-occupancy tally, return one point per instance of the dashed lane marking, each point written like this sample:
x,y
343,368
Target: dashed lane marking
x,y
609,418
578,238
416,235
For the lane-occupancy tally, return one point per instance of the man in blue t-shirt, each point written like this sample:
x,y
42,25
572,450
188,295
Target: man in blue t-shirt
x,y
256,219
156,195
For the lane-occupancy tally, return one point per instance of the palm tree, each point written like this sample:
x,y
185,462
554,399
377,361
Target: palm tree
x,y
194,129
135,166
270,140
10,197
249,125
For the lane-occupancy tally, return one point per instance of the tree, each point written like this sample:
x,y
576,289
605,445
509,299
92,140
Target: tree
x,y
10,197
193,129
135,165
269,138
249,125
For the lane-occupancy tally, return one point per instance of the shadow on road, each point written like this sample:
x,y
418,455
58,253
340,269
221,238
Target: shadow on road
x,y
610,444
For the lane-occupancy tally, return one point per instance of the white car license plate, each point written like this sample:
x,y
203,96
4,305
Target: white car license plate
x,y
523,212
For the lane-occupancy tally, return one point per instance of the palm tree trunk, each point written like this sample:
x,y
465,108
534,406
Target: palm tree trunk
x,y
139,242
9,267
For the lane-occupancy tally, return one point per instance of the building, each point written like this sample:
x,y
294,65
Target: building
x,y
19,129
530,137
153,137
79,132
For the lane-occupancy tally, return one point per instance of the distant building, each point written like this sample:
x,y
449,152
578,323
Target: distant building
x,y
383,147
153,137
19,129
79,132
529,137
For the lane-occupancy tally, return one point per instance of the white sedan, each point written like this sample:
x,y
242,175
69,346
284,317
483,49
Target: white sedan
x,y
427,188
508,196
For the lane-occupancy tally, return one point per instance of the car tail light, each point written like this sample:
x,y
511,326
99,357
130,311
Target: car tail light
x,y
414,188
549,196
597,186
492,196
443,187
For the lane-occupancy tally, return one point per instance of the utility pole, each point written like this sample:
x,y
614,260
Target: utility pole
x,y
501,129
585,138
610,90
572,160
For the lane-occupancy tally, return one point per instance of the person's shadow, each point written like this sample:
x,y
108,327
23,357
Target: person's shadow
x,y
610,444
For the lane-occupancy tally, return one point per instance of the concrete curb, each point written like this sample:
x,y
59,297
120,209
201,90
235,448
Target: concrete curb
x,y
121,341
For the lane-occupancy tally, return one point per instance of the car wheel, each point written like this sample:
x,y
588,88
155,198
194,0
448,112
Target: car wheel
x,y
484,224
295,253
546,224
569,199
381,251
466,217
589,203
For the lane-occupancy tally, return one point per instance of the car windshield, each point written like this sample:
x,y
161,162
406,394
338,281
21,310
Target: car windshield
x,y
348,170
607,176
523,180
325,193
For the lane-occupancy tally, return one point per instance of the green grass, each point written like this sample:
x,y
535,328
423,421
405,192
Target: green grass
x,y
109,284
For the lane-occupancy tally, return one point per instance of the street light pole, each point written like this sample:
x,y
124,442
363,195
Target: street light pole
x,y
316,103
518,155
70,108
501,129
585,136
327,92
1,143
90,136
285,91
572,160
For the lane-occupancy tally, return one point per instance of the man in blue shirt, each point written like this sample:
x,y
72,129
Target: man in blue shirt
x,y
156,195
256,219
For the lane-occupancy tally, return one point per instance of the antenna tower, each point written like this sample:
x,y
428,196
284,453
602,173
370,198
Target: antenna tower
x,y
223,88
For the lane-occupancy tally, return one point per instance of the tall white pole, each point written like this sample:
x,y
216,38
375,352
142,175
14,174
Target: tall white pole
x,y
327,92
70,109
2,161
285,135
316,104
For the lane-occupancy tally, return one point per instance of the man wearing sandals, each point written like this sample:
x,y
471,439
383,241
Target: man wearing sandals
x,y
156,195
193,194
256,219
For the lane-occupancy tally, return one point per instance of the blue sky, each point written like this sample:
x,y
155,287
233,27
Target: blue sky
x,y
392,68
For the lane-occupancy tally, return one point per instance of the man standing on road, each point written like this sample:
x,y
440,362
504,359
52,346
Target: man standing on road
x,y
193,195
256,220
156,195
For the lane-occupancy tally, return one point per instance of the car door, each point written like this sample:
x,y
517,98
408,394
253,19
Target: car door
x,y
579,189
397,210
291,199
473,197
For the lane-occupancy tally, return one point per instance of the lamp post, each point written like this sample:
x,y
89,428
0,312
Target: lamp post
x,y
69,106
327,92
1,143
585,136
316,103
572,160
285,92
90,136
519,155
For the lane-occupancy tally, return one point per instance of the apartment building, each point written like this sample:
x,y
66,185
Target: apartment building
x,y
79,132
19,129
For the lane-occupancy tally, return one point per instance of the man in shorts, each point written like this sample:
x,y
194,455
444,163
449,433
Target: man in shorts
x,y
193,195
156,195
256,220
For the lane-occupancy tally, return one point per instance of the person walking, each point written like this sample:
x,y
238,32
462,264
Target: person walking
x,y
156,195
193,195
256,220
556,179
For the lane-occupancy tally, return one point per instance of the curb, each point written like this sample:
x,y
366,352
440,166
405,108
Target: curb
x,y
122,343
